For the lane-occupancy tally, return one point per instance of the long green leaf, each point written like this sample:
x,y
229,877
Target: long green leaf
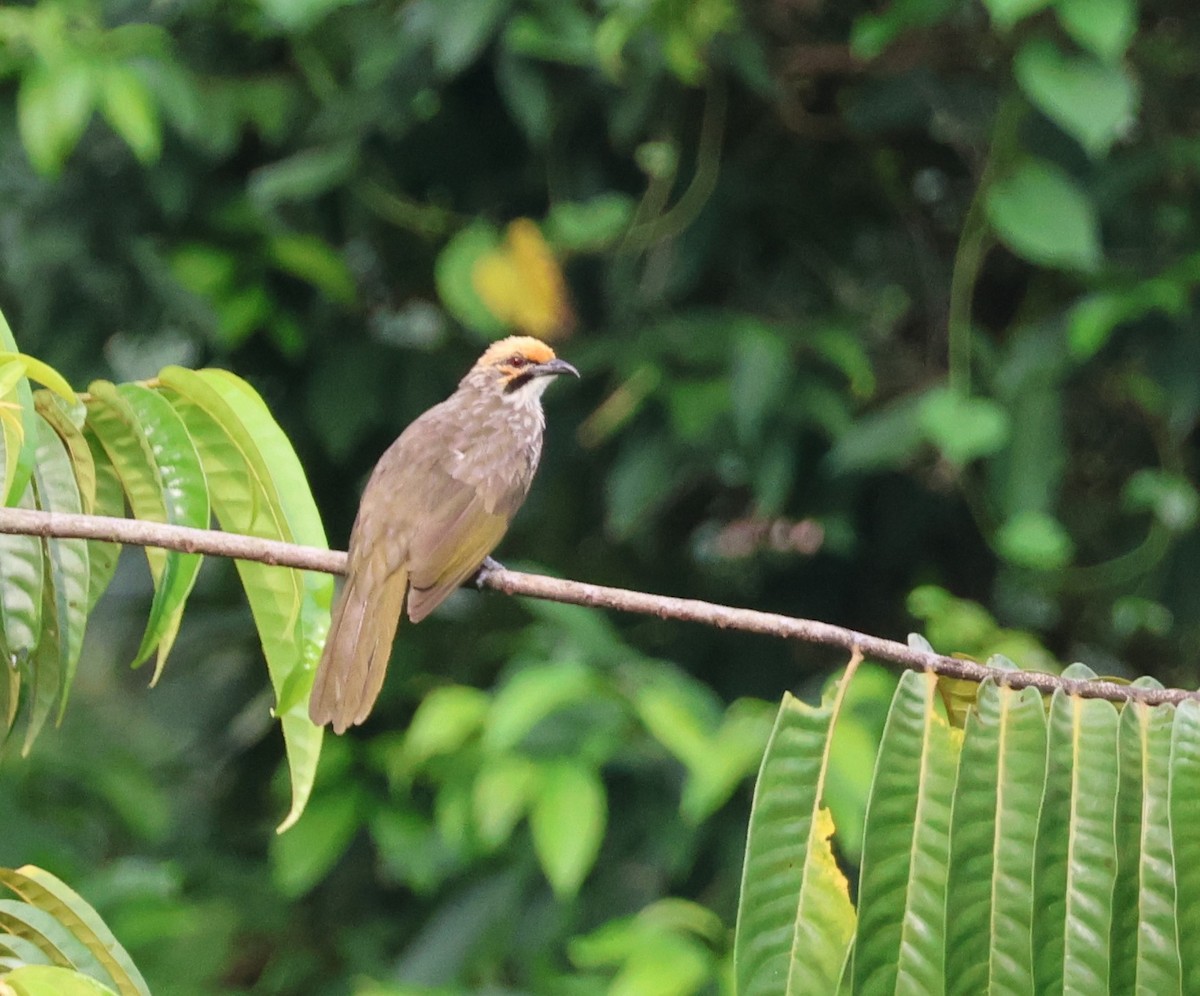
x,y
109,500
66,594
16,426
41,889
996,803
1185,818
22,950
10,698
21,581
67,420
795,919
52,980
186,501
161,473
259,488
1076,851
1145,946
52,938
900,941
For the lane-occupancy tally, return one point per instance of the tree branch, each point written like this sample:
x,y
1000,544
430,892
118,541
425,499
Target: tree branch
x,y
141,533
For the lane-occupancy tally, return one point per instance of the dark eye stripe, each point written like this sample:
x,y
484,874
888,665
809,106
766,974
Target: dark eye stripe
x,y
520,380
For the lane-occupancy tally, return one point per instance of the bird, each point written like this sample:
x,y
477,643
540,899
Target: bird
x,y
437,503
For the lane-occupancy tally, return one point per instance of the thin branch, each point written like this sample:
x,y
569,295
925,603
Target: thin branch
x,y
35,523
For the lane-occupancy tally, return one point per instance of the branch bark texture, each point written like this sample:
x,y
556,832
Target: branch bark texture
x,y
221,544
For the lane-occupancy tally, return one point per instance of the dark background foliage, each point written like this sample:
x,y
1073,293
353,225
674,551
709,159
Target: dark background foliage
x,y
886,317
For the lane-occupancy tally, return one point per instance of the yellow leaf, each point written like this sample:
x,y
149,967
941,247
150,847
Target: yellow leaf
x,y
522,284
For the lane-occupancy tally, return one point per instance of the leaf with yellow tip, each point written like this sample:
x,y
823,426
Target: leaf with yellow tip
x,y
795,919
522,284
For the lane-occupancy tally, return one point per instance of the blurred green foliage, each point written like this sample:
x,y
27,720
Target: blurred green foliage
x,y
887,317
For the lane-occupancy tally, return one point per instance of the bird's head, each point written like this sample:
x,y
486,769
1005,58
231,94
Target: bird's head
x,y
520,366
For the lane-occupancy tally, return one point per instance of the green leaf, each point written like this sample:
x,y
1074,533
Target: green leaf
x,y
1094,102
1092,321
989,913
1076,847
531,695
795,920
567,821
66,595
736,752
258,487
1035,540
52,980
589,226
887,437
17,418
1145,948
1103,27
54,104
505,785
303,856
298,16
310,259
130,108
51,937
109,500
963,428
1184,785
304,175
446,718
453,271
1042,215
45,374
43,890
63,420
21,580
1171,497
1007,13
160,470
901,937
759,376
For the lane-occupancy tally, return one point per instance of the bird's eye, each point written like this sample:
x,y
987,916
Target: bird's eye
x,y
517,360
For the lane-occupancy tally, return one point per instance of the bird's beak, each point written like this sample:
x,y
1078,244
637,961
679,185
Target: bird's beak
x,y
552,368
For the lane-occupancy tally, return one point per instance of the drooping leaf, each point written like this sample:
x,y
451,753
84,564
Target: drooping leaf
x,y
52,938
1076,847
41,889
67,420
16,419
795,919
567,819
160,471
67,573
52,980
901,938
1145,947
109,500
1184,785
21,579
258,487
989,915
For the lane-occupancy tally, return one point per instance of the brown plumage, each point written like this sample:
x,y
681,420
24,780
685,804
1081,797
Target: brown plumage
x,y
437,503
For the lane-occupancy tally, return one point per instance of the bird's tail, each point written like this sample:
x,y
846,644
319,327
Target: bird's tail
x,y
357,649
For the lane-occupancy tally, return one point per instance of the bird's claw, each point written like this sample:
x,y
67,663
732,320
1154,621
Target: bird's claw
x,y
487,567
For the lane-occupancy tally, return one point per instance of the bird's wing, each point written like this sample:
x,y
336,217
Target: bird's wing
x,y
450,544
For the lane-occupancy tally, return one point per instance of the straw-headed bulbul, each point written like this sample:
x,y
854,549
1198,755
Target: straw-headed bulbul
x,y
437,503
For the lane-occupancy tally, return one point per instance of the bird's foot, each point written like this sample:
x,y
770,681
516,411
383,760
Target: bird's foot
x,y
487,567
